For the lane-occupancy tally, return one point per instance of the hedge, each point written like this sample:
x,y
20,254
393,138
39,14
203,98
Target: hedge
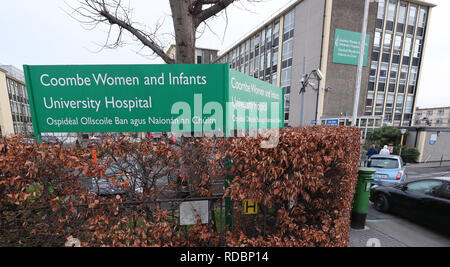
x,y
304,187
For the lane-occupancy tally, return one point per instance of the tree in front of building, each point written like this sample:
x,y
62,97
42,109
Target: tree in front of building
x,y
386,135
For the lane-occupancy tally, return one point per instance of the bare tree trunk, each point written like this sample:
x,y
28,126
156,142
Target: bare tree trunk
x,y
185,28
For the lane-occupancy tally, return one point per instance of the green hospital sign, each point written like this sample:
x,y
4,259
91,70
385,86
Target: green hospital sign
x,y
149,98
347,47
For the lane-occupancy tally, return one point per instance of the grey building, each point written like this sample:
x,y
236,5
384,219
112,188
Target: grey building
x,y
325,35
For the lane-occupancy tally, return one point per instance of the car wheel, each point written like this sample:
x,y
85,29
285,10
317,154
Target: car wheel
x,y
381,203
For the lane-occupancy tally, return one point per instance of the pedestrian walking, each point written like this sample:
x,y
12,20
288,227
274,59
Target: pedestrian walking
x,y
372,151
385,151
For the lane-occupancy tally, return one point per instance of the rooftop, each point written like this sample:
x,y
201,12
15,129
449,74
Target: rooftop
x,y
13,72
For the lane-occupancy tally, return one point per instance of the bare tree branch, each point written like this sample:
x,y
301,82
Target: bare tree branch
x,y
95,12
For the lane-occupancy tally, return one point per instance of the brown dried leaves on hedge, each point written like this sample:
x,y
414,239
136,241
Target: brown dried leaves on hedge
x,y
304,187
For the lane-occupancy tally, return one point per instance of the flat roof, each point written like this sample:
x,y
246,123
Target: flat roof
x,y
432,108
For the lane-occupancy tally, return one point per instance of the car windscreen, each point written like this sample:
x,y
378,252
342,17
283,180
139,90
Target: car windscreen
x,y
383,163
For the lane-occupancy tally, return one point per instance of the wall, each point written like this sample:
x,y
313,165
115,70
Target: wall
x,y
347,15
6,122
309,17
441,149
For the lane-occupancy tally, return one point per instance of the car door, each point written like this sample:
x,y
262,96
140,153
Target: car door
x,y
420,200
443,207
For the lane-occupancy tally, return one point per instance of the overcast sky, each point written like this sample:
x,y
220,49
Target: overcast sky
x,y
40,33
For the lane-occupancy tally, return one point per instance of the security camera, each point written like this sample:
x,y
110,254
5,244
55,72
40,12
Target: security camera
x,y
319,74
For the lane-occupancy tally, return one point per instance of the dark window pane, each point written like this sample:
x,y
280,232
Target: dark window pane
x,y
391,87
375,56
396,59
405,61
389,25
379,24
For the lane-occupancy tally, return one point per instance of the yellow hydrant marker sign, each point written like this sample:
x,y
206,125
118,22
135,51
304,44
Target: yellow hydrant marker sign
x,y
250,207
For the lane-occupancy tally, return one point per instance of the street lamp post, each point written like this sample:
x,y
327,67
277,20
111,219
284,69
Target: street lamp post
x,y
304,83
401,141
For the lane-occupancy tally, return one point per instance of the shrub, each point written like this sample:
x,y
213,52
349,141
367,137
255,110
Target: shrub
x,y
410,154
304,187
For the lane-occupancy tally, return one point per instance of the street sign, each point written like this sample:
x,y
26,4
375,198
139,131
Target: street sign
x,y
313,122
192,211
250,207
150,98
332,122
347,47
433,139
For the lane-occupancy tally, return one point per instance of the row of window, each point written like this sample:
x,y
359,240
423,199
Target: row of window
x,y
431,112
23,128
396,54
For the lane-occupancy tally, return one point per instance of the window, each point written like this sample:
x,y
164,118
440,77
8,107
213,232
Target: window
x,y
379,103
423,17
383,163
387,41
276,34
408,44
409,104
428,187
287,102
413,76
446,192
412,19
377,39
412,15
402,13
398,42
288,28
286,80
404,74
373,70
383,72
417,48
287,53
381,8
394,73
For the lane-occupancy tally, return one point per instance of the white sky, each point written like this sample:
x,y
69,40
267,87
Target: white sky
x,y
40,33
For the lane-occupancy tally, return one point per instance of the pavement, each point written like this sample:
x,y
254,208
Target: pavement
x,y
390,230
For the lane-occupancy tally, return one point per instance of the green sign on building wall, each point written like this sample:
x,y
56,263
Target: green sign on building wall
x,y
347,47
148,98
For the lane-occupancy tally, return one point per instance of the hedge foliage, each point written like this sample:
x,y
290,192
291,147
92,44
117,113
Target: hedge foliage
x,y
304,187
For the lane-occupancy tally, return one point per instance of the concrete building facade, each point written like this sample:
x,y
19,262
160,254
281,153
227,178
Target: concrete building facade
x,y
434,117
305,36
202,55
433,143
15,115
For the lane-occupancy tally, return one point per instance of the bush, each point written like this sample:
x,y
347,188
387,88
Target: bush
x,y
304,187
410,154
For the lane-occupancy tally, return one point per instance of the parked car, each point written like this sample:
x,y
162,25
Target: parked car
x,y
389,169
50,139
425,201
